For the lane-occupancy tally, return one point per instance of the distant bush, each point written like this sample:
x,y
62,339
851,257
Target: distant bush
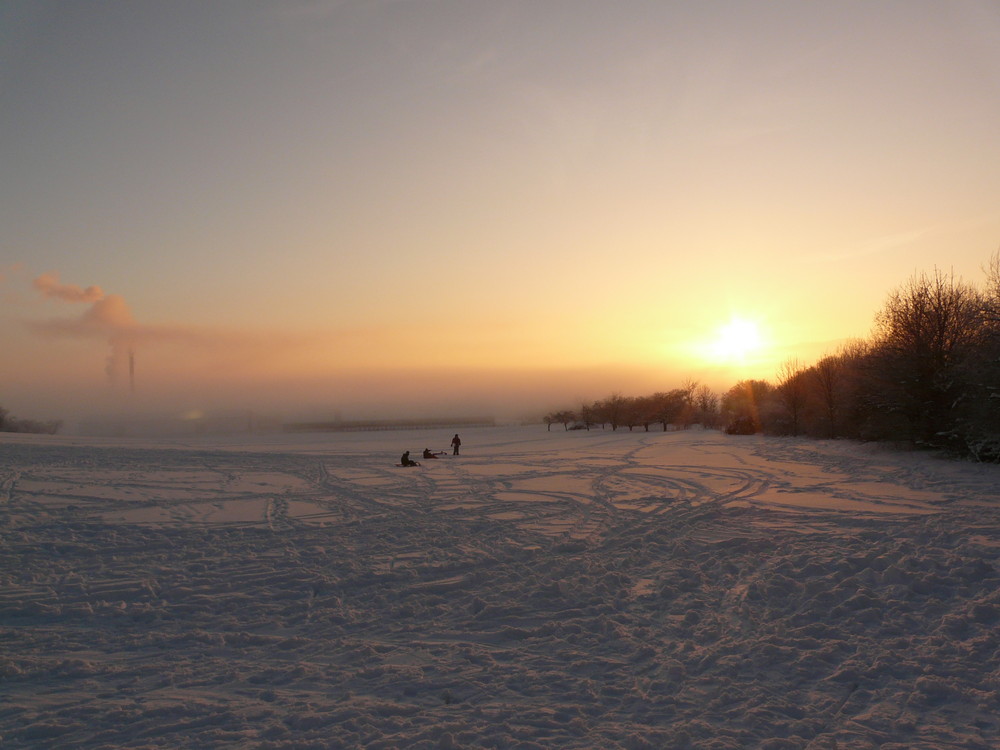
x,y
742,426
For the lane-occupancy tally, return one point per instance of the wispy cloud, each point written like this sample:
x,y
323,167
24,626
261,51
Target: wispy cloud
x,y
874,246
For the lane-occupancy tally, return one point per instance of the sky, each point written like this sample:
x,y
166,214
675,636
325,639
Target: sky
x,y
387,207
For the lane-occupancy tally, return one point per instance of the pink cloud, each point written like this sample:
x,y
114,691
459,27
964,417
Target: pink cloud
x,y
49,286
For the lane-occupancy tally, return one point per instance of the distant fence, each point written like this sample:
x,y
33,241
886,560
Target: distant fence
x,y
387,424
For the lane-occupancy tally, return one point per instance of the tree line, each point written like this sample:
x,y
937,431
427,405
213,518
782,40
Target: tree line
x,y
677,408
9,423
928,375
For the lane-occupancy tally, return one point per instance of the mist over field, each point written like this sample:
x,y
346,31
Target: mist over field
x,y
402,394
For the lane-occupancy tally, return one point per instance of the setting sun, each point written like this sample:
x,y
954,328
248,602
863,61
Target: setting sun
x,y
736,340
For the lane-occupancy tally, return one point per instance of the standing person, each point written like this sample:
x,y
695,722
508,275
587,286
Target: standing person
x,y
456,442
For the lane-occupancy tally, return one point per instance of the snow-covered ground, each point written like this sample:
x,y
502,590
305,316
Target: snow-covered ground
x,y
544,589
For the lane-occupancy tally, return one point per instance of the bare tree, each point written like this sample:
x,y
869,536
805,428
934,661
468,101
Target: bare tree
x,y
564,417
925,332
631,412
743,405
826,376
613,410
833,384
642,410
707,403
979,415
992,292
792,393
668,407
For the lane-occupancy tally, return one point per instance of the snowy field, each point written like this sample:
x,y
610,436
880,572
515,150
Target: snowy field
x,y
543,590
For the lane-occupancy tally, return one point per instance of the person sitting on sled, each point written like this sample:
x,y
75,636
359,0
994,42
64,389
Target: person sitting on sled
x,y
405,460
428,453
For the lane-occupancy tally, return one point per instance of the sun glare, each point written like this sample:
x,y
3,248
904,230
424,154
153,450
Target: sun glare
x,y
736,340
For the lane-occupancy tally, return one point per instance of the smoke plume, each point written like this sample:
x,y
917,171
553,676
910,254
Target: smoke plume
x,y
108,317
48,284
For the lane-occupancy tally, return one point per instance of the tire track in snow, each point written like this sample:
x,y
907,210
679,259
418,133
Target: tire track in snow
x,y
7,484
648,601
